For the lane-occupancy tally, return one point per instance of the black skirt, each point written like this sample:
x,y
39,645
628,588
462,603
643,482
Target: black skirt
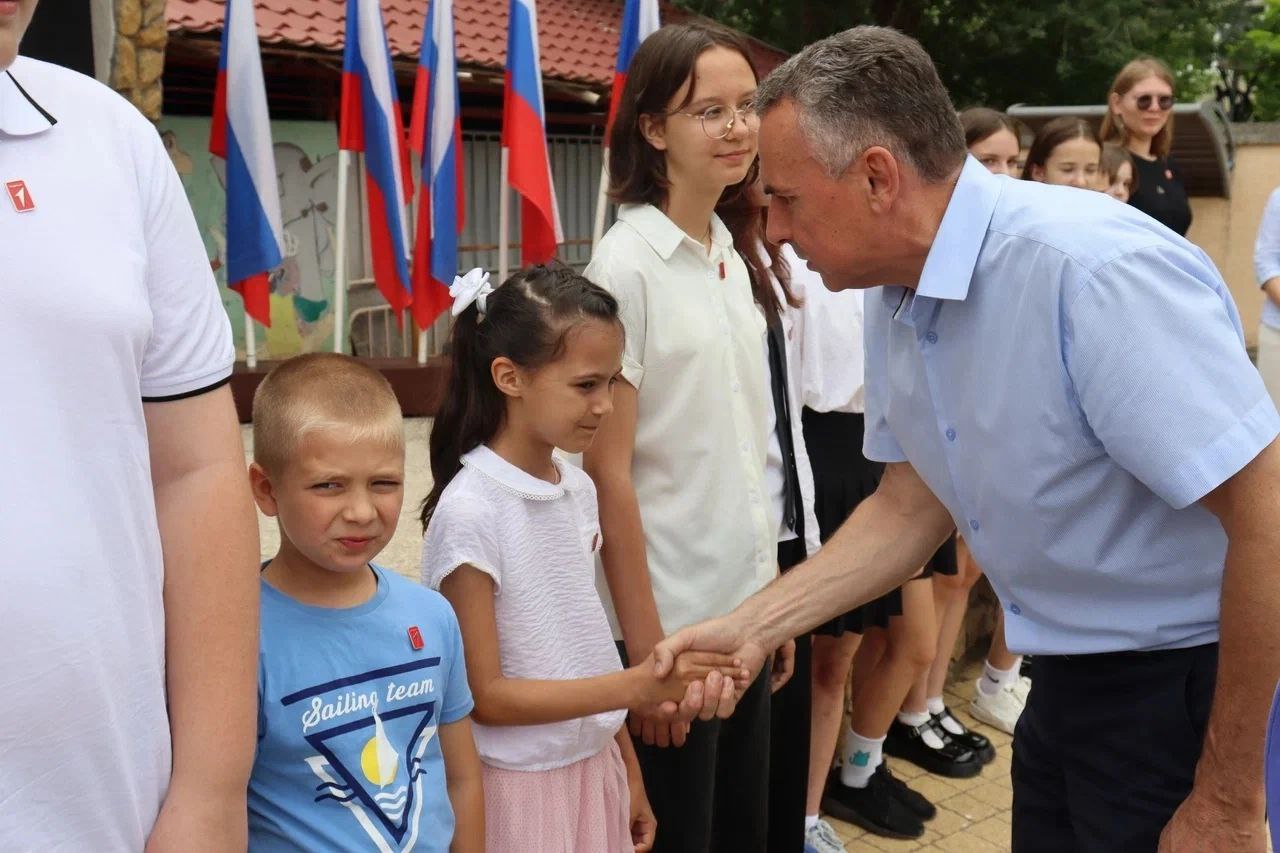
x,y
943,561
842,479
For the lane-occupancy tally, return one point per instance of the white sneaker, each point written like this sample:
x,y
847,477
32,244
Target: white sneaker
x,y
1000,711
1021,688
821,838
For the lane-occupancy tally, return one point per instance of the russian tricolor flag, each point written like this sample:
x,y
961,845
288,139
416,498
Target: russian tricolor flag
x,y
639,21
371,122
241,135
524,135
436,137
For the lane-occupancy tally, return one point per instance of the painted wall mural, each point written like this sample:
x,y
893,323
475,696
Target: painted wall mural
x,y
302,286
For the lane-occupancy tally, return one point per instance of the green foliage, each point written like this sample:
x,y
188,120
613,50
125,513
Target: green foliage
x,y
1249,68
1001,52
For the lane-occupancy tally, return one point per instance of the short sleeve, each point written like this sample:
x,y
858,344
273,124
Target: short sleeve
x,y
190,348
456,702
1155,352
461,532
627,286
878,442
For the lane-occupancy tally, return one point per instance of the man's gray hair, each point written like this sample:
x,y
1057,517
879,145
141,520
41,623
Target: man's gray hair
x,y
869,86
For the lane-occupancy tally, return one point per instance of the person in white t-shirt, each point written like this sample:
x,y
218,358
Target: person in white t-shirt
x,y
511,538
128,616
681,465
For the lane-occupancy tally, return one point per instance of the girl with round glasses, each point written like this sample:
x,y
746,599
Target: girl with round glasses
x,y
680,466
1140,117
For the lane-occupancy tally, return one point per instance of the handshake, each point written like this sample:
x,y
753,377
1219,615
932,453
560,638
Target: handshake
x,y
693,667
701,672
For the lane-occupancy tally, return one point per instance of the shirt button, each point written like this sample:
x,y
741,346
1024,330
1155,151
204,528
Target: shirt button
x,y
932,337
1015,610
973,524
951,434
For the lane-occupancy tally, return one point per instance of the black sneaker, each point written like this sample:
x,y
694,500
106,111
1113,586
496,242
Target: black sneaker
x,y
913,800
952,759
875,808
982,748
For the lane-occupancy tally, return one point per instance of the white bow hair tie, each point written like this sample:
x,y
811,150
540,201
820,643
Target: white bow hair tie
x,y
472,287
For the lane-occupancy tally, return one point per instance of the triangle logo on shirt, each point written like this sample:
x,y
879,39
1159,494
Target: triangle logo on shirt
x,y
370,757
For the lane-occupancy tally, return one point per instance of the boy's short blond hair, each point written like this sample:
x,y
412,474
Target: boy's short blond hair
x,y
321,391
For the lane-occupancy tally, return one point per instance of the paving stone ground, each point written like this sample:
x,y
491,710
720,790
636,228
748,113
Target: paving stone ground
x,y
973,814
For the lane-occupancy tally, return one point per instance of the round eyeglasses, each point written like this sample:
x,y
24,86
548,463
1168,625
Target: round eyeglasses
x,y
717,121
1164,102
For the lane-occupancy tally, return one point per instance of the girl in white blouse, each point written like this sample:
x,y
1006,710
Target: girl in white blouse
x,y
510,536
680,466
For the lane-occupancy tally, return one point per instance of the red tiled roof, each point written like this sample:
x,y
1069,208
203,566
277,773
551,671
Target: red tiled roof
x,y
578,38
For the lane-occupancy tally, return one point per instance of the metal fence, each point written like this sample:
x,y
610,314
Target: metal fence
x,y
575,167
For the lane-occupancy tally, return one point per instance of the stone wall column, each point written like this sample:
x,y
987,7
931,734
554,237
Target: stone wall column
x,y
138,62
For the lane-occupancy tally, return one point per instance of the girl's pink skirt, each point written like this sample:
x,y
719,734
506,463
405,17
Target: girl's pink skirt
x,y
584,807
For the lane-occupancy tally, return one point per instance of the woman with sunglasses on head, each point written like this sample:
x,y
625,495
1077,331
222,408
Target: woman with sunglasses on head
x,y
685,449
1140,117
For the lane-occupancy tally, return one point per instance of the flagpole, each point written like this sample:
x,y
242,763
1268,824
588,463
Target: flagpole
x,y
415,210
250,339
602,201
340,256
504,217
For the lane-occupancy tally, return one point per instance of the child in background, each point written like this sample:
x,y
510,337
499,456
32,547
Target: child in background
x,y
364,740
1118,179
1066,151
511,536
993,139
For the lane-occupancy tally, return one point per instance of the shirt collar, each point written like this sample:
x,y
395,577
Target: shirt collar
x,y
665,236
949,267
20,113
514,479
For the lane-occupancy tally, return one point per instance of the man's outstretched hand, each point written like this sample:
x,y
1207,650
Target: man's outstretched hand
x,y
729,635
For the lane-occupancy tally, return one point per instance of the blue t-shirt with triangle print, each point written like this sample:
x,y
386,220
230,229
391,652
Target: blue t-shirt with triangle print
x,y
349,704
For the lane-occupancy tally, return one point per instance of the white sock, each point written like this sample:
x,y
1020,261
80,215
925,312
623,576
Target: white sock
x,y
937,706
994,680
862,755
930,737
810,821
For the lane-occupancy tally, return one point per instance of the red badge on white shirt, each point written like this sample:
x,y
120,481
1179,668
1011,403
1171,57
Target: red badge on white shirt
x,y
20,196
415,638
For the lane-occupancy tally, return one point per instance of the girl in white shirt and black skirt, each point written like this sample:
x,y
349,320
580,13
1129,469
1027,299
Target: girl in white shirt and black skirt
x,y
680,466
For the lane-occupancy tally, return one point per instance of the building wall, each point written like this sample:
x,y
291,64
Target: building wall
x,y
1226,228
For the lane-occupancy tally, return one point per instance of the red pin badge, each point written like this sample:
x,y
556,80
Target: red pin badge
x,y
415,638
20,196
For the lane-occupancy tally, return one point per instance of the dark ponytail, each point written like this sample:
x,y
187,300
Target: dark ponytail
x,y
744,217
527,319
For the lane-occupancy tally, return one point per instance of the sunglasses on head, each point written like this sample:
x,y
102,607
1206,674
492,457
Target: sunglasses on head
x,y
1165,102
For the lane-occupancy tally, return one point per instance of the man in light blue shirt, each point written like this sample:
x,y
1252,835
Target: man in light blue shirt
x,y
1065,380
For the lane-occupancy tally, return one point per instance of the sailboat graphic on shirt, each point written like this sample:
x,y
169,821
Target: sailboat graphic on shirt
x,y
373,765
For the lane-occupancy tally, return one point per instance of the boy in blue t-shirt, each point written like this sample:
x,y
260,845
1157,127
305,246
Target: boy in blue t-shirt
x,y
364,739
